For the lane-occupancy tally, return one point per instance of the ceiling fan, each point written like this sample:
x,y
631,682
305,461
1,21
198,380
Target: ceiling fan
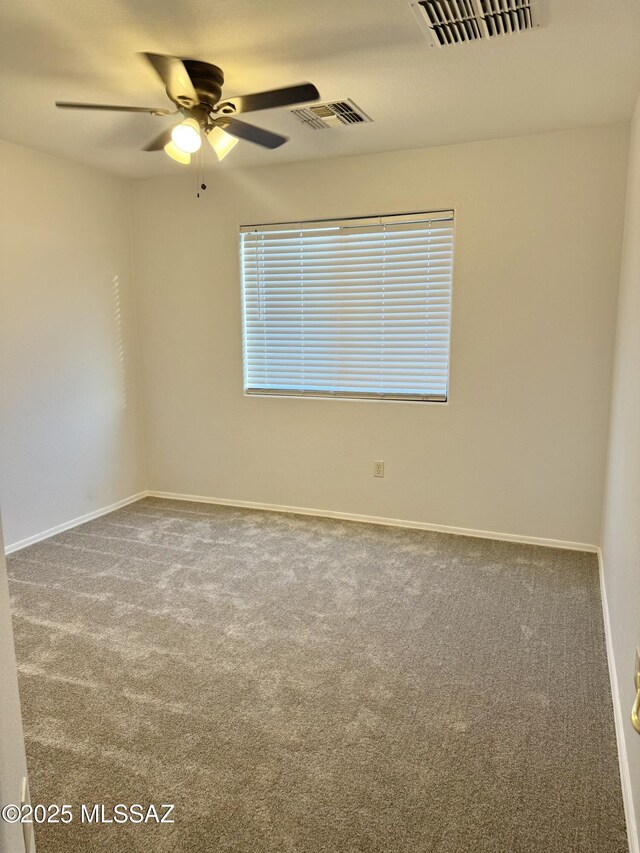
x,y
195,88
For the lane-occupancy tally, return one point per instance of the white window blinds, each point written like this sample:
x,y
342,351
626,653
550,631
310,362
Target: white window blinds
x,y
356,308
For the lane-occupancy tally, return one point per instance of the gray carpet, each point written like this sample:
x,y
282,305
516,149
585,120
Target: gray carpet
x,y
300,684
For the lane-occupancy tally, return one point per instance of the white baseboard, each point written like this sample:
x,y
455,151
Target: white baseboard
x,y
388,522
67,525
322,513
620,718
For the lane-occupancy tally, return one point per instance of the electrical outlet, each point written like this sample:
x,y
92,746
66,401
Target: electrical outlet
x,y
378,469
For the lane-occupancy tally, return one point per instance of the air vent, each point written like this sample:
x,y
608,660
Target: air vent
x,y
331,114
458,21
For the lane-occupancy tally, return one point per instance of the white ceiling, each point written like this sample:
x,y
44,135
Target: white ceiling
x,y
582,67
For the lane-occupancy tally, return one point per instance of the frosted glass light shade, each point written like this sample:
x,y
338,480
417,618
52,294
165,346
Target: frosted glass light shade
x,y
173,151
221,142
187,136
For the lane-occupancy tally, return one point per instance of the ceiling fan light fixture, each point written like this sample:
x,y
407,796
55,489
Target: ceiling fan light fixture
x,y
221,142
177,153
195,90
186,136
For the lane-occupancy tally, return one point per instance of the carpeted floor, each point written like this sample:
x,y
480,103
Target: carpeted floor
x,y
300,684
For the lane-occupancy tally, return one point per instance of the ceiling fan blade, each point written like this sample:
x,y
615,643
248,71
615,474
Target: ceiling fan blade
x,y
160,141
299,94
175,77
250,132
72,105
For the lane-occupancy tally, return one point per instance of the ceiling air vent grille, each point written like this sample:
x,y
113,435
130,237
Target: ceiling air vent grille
x,y
330,114
458,21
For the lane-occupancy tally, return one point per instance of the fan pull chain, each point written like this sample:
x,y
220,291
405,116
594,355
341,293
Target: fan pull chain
x,y
200,184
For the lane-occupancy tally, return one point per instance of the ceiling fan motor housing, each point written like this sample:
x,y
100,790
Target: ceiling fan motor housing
x,y
207,80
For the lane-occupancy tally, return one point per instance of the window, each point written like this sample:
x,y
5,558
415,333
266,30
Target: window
x,y
351,308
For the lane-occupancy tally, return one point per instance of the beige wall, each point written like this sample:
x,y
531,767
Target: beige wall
x,y
71,439
520,448
621,533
